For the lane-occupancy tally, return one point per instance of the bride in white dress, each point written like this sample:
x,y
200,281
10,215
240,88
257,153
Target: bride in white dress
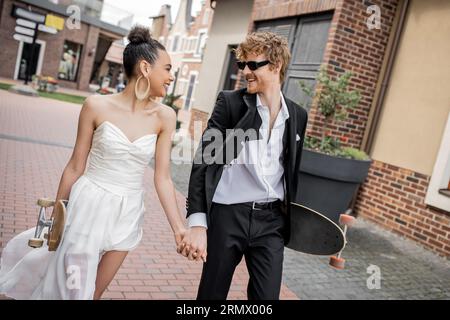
x,y
120,133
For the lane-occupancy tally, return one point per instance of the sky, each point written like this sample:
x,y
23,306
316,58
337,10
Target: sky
x,y
143,9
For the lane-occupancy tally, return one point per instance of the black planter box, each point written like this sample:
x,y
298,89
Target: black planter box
x,y
327,183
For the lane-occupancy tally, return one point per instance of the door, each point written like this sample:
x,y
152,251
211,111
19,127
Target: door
x,y
307,38
29,60
232,71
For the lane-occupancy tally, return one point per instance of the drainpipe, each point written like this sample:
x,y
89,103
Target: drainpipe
x,y
383,82
385,75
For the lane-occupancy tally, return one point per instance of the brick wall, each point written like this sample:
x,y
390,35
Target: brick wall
x,y
352,46
87,36
394,198
273,9
87,62
9,45
197,116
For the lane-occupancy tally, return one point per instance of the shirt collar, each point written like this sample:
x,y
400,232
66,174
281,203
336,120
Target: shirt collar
x,y
284,113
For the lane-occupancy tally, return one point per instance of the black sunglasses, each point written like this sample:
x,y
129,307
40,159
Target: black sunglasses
x,y
252,65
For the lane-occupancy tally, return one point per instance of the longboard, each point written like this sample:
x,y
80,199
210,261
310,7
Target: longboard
x,y
55,224
314,233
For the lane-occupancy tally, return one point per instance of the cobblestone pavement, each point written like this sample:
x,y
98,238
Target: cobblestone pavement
x,y
36,139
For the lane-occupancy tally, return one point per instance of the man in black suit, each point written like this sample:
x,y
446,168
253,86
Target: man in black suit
x,y
244,176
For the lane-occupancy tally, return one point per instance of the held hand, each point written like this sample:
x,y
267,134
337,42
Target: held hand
x,y
193,245
179,235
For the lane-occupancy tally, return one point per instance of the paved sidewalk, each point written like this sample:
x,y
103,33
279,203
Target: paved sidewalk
x,y
60,89
36,137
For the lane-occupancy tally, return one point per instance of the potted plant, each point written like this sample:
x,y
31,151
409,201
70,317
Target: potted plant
x,y
104,91
45,83
170,100
330,172
52,84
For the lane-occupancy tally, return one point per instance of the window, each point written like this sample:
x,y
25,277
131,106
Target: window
x,y
232,70
175,43
190,91
70,60
181,87
307,37
438,194
200,43
206,16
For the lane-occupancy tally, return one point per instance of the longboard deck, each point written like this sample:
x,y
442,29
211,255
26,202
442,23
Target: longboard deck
x,y
55,233
314,233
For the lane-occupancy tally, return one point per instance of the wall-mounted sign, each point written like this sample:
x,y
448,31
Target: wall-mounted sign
x,y
19,12
54,22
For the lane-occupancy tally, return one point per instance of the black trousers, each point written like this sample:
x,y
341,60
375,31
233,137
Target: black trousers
x,y
237,230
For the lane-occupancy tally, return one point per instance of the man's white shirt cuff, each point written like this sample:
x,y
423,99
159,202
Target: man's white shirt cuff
x,y
197,219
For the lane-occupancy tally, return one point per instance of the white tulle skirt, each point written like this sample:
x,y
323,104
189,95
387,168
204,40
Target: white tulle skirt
x,y
100,218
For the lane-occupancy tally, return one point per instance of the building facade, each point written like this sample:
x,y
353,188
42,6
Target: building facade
x,y
73,55
193,47
185,41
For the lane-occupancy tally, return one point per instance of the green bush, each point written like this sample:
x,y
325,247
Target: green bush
x,y
333,101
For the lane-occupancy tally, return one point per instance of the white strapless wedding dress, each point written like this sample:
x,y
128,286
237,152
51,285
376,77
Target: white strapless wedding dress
x,y
105,212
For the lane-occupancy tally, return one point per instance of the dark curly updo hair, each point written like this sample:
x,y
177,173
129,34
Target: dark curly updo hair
x,y
141,46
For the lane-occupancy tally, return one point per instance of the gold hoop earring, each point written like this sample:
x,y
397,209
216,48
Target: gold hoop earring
x,y
138,96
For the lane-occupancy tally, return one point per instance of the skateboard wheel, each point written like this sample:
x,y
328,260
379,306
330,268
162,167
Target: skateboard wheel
x,y
337,263
346,220
45,203
35,242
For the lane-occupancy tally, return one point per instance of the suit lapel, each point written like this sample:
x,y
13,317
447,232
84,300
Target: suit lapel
x,y
251,118
291,134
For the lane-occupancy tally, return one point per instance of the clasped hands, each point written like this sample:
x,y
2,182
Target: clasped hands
x,y
191,243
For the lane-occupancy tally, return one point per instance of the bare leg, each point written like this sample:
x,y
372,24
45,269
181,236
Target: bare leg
x,y
107,269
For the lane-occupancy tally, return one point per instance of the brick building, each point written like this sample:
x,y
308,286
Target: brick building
x,y
398,66
73,56
185,41
193,47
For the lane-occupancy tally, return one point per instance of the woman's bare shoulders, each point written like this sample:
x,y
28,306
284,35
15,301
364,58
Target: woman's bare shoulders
x,y
103,106
167,116
100,102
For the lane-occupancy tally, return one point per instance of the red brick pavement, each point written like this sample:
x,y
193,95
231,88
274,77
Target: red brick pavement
x,y
30,170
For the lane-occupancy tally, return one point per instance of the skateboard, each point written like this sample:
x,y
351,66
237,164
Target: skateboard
x,y
314,233
54,225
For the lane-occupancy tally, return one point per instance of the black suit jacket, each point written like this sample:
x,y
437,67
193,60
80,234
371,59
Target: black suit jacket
x,y
237,110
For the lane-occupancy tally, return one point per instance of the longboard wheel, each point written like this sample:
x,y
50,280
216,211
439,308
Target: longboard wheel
x,y
336,262
346,220
35,242
43,202
56,230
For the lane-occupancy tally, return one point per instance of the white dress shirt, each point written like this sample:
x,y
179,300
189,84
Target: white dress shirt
x,y
257,172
